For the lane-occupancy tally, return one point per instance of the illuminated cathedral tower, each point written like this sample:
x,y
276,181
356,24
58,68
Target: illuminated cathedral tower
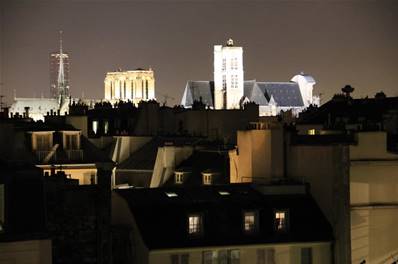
x,y
134,85
59,73
228,76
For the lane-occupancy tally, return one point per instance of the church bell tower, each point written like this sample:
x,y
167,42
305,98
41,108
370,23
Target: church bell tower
x,y
228,76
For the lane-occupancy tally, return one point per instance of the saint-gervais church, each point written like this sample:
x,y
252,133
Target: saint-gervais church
x,y
229,90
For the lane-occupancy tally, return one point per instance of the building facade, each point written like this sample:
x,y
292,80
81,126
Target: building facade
x,y
222,224
135,86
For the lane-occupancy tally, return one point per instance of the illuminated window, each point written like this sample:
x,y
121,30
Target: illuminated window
x,y
95,126
281,220
224,193
311,132
195,224
206,178
306,256
250,221
180,259
179,177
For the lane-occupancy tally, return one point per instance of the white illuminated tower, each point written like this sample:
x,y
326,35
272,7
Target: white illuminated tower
x,y
228,76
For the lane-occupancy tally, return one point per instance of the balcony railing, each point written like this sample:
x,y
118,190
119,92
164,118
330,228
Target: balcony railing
x,y
42,154
74,154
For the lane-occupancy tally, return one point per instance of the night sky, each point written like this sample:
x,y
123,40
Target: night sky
x,y
338,42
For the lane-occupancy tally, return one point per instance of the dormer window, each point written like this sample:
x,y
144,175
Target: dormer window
x,y
207,178
281,220
195,224
179,177
250,222
71,140
42,140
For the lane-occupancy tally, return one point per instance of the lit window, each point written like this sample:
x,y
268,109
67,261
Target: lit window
x,y
224,193
306,256
207,178
311,132
195,224
281,220
250,221
179,177
171,194
95,126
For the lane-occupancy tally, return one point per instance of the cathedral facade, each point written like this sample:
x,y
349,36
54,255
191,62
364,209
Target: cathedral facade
x,y
229,90
135,86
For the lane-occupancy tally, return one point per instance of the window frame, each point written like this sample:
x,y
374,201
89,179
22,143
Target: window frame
x,y
199,229
178,177
286,221
255,227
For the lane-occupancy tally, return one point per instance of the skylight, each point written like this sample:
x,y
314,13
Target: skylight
x,y
171,194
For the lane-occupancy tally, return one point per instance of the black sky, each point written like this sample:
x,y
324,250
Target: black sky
x,y
338,42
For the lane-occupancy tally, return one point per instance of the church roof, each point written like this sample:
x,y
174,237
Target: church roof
x,y
36,105
198,90
285,94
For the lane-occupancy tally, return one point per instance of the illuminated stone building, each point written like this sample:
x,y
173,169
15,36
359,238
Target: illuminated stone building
x,y
228,76
347,151
230,90
37,108
135,86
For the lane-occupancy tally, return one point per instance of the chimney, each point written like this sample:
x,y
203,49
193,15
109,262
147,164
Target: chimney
x,y
27,111
6,112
